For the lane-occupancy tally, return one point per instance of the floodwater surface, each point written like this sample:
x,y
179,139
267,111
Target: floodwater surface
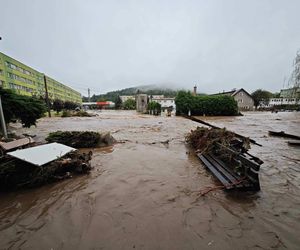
x,y
143,192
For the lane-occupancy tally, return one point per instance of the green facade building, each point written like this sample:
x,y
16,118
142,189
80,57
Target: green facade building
x,y
27,81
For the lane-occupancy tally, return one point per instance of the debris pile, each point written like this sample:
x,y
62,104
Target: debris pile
x,y
208,140
80,113
15,173
81,139
227,157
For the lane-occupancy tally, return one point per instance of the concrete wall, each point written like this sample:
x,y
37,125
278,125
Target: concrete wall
x,y
141,103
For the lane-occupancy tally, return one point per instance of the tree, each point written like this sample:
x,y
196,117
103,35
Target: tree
x,y
129,104
101,99
261,95
276,95
155,107
118,102
58,105
184,102
24,108
70,105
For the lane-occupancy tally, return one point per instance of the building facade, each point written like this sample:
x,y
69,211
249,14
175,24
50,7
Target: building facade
x,y
273,102
165,102
125,98
290,93
244,100
141,103
27,81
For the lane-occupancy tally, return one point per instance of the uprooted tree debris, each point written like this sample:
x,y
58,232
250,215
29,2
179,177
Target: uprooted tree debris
x,y
227,157
81,139
15,173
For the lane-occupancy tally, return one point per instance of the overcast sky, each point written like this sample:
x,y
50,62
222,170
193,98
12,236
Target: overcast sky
x,y
110,45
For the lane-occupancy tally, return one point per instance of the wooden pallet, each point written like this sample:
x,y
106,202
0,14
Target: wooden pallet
x,y
249,180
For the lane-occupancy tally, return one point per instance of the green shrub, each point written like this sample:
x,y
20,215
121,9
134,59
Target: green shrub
x,y
58,105
129,104
205,105
82,113
155,107
81,139
66,113
23,108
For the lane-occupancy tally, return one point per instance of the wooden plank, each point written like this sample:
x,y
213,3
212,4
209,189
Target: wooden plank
x,y
6,146
294,143
214,171
242,158
221,169
283,134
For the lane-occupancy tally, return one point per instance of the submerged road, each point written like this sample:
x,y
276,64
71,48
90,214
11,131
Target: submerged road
x,y
143,192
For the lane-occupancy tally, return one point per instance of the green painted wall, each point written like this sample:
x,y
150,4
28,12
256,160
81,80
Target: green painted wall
x,y
27,81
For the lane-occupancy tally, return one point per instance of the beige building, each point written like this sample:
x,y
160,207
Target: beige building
x,y
124,98
243,98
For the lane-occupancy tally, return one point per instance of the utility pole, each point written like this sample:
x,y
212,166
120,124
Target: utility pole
x,y
2,119
47,96
89,95
3,124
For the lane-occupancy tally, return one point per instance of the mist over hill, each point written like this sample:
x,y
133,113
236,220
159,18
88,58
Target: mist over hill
x,y
146,89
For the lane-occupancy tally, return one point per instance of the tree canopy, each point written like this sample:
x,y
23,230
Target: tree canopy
x,y
205,105
58,105
261,95
23,108
155,107
129,104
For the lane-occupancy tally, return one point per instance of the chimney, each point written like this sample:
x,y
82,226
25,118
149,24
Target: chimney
x,y
195,90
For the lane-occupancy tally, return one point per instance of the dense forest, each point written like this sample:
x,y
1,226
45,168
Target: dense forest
x,y
150,90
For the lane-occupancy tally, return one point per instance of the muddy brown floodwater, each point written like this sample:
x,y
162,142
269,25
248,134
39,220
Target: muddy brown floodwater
x,y
142,192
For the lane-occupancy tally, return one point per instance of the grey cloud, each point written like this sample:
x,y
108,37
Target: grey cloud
x,y
108,45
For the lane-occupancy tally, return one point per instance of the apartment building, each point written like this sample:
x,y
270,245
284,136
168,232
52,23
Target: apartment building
x,y
30,82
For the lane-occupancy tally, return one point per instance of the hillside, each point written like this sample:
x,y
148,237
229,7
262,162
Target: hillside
x,y
148,89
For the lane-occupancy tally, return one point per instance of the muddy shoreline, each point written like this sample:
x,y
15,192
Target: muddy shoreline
x,y
142,192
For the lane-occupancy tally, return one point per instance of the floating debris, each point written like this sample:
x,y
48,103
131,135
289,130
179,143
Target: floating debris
x,y
294,143
227,157
42,154
81,139
283,134
17,173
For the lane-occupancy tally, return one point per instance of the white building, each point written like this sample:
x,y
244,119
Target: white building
x,y
165,102
279,101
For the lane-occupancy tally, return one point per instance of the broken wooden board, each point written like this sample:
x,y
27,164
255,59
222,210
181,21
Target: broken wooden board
x,y
40,155
7,146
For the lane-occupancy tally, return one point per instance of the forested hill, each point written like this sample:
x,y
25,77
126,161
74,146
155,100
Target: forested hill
x,y
113,95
